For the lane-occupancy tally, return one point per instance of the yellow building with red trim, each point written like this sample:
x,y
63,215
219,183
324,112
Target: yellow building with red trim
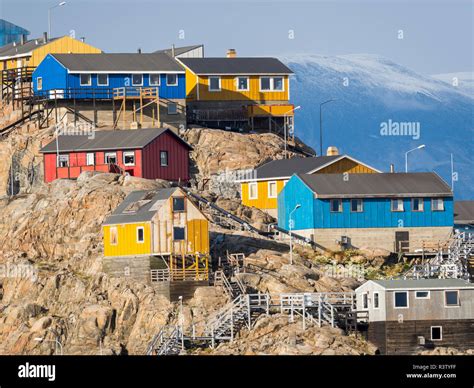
x,y
261,188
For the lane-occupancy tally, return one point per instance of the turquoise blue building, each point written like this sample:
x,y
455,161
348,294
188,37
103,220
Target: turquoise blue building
x,y
386,210
10,33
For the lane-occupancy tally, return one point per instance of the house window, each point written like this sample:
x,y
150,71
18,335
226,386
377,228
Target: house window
x,y
178,204
242,83
154,79
417,204
265,84
39,83
278,84
172,108
63,161
400,299
356,206
171,79
129,158
113,236
376,300
110,158
397,205
336,205
253,190
102,79
140,234
451,298
272,189
178,233
85,79
90,159
214,84
437,204
365,301
422,295
137,79
436,333
163,158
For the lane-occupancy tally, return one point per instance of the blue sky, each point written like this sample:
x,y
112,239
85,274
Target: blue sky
x,y
437,35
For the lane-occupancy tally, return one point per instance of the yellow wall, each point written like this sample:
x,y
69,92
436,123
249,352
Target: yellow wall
x,y
198,236
127,240
63,45
346,165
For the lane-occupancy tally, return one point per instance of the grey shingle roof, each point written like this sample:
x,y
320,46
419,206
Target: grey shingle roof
x,y
119,62
424,283
285,168
108,140
12,50
464,212
376,185
236,65
130,211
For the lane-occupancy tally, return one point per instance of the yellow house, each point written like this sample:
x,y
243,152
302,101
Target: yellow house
x,y
161,228
261,188
31,52
252,90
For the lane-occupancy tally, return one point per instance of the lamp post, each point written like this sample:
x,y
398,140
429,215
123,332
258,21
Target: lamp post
x,y
181,321
285,124
49,15
406,155
56,341
291,228
321,124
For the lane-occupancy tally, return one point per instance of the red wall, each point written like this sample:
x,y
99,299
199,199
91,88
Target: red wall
x,y
178,159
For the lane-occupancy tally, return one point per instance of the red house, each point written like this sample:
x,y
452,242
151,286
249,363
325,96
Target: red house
x,y
148,153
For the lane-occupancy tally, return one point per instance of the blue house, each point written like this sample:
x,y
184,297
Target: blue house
x,y
391,211
86,76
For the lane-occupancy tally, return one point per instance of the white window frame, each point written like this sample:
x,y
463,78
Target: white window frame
x,y
39,80
176,108
167,158
440,332
361,205
395,299
285,182
365,298
64,157
442,204
270,85
378,300
171,84
209,85
276,189
422,297
282,84
89,154
250,190
106,84
154,84
141,83
128,153
340,207
237,84
397,210
143,230
451,305
115,230
107,154
90,79
422,205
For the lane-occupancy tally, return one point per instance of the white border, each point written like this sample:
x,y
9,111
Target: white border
x,y
408,300
276,189
98,84
249,191
237,83
431,333
143,229
90,80
123,158
209,83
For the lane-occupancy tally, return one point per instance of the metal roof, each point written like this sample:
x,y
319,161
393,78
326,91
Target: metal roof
x,y
423,283
138,206
17,49
119,62
179,50
107,140
236,65
376,185
464,212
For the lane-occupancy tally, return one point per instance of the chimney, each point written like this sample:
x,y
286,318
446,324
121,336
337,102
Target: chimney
x,y
172,51
23,39
45,37
332,151
392,168
231,53
139,51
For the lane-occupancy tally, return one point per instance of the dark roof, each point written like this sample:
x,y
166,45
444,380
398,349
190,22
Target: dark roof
x,y
464,212
423,283
119,62
14,49
179,50
376,185
108,140
236,65
138,206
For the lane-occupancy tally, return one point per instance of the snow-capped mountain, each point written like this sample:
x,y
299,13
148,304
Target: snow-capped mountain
x,y
383,109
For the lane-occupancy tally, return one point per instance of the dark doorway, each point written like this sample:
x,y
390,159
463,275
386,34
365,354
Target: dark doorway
x,y
402,241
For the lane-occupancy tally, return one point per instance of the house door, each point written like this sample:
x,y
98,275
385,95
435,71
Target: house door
x,y
402,241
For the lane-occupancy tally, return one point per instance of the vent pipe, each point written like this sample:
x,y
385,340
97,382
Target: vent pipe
x,y
231,53
172,51
83,39
23,39
392,168
45,37
332,151
139,51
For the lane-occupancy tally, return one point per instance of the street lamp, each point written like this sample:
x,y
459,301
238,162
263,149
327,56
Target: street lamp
x,y
56,341
406,155
49,15
181,321
291,228
321,125
285,124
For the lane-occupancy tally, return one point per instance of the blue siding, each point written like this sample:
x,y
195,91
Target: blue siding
x,y
315,213
53,73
